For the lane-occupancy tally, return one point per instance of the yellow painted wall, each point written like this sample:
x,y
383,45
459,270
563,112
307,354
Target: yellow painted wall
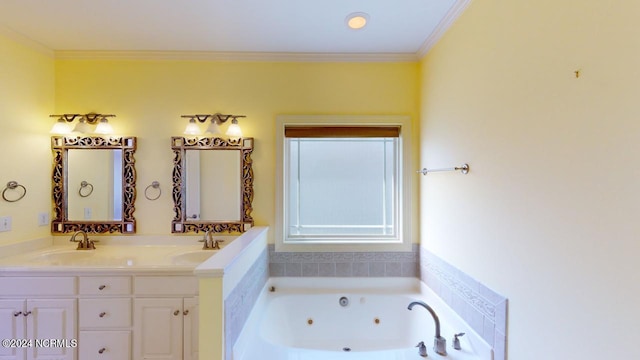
x,y
26,100
549,214
148,98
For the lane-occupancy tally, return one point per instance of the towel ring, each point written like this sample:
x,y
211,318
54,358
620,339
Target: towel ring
x,y
85,185
154,185
12,185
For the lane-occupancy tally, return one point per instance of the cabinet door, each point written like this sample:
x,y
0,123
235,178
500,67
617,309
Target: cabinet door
x,y
52,319
12,327
158,329
191,328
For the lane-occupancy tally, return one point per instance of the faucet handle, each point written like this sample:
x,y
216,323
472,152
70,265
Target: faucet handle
x,y
456,341
422,349
216,244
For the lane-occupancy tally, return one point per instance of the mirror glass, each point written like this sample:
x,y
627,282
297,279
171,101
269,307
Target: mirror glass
x,y
213,184
93,184
94,195
213,190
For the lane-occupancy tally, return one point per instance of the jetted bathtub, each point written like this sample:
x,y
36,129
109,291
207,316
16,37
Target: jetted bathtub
x,y
350,318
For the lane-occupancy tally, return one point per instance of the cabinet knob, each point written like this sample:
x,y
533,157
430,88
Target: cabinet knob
x,y
17,313
101,350
27,313
186,312
176,312
102,314
102,287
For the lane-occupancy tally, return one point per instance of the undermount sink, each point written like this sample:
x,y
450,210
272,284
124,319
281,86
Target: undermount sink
x,y
192,257
65,256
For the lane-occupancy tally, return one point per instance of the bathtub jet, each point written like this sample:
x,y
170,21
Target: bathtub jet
x,y
439,343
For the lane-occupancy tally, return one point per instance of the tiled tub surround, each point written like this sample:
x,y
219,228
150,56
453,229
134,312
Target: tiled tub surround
x,y
483,309
344,264
240,302
230,283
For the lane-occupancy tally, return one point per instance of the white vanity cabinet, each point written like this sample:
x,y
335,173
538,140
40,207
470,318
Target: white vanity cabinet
x,y
38,309
166,318
101,315
104,317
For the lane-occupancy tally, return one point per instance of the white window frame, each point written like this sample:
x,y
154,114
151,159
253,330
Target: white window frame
x,y
403,241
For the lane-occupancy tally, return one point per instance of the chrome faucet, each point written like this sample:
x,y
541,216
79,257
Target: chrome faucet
x,y
439,343
85,243
209,242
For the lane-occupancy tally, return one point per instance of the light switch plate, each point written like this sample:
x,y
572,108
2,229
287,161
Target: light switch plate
x,y
87,213
43,219
5,223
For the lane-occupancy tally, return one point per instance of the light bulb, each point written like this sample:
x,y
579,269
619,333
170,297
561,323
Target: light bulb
x,y
234,130
82,127
357,21
60,127
192,128
104,128
214,128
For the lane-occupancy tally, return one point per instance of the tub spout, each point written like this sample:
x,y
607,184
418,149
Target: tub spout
x,y
439,343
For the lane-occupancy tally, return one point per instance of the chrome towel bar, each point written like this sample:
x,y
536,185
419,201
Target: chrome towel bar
x,y
463,169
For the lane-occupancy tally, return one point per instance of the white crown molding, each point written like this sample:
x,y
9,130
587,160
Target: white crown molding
x,y
235,56
454,12
25,41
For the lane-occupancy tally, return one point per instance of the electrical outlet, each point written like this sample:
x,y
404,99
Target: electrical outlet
x,y
87,213
43,219
5,223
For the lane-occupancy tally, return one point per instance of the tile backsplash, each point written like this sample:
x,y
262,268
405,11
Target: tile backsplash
x,y
344,264
482,308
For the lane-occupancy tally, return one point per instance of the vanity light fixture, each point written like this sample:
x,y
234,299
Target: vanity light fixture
x,y
63,127
192,128
234,130
82,127
103,127
216,119
357,20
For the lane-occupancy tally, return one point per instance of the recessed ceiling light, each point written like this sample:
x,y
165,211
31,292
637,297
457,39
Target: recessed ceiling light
x,y
357,20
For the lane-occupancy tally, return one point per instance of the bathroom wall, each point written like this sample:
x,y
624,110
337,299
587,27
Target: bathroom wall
x,y
149,96
548,215
26,100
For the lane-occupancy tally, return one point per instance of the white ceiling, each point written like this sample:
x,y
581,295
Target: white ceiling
x,y
276,26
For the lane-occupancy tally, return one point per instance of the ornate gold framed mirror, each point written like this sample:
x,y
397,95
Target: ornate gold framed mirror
x,y
212,184
94,184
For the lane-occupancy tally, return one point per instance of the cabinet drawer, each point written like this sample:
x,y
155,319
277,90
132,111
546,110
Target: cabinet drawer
x,y
104,345
103,285
104,313
166,285
39,286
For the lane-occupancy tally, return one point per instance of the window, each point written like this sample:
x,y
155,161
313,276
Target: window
x,y
341,183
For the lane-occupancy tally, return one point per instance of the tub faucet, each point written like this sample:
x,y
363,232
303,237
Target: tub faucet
x,y
439,343
85,243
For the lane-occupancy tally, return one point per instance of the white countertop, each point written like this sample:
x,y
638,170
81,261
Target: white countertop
x,y
111,258
131,254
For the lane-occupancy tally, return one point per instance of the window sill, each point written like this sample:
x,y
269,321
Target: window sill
x,y
341,247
